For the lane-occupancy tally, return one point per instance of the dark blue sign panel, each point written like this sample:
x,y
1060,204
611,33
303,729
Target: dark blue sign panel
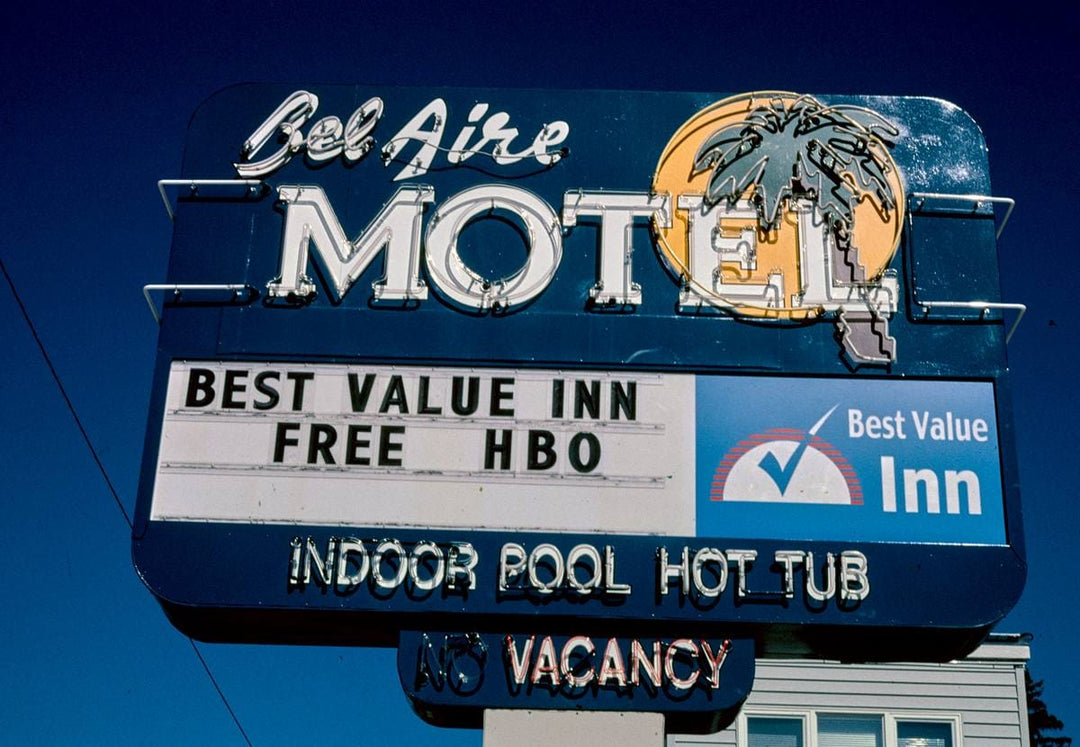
x,y
698,683
505,360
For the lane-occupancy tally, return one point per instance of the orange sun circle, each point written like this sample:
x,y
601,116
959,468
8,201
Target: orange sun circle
x,y
876,231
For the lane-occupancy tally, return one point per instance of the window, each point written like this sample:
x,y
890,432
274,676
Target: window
x,y
849,731
804,728
923,734
774,732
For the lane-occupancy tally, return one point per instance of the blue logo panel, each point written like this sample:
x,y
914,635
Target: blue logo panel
x,y
884,461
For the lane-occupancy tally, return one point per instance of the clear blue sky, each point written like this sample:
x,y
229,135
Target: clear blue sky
x,y
97,99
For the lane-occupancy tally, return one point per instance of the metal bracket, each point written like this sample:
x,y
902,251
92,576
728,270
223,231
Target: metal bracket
x,y
219,188
983,306
238,293
230,188
917,202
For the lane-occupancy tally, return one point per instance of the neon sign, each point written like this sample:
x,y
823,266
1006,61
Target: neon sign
x,y
696,681
531,417
328,138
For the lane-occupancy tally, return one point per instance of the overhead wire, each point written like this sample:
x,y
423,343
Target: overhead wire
x,y
220,692
104,474
63,392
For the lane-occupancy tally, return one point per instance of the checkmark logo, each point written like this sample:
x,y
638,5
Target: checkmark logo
x,y
781,474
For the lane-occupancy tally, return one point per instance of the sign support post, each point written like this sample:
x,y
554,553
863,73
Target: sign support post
x,y
505,728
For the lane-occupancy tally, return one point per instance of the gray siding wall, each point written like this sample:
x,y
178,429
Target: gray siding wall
x,y
986,691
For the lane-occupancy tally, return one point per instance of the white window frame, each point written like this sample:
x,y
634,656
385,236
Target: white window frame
x,y
806,716
809,720
954,721
853,713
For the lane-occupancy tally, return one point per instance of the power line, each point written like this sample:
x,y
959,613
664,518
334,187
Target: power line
x,y
105,475
214,682
64,394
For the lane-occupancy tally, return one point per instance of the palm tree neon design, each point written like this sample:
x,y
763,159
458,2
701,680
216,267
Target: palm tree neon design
x,y
783,149
790,149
